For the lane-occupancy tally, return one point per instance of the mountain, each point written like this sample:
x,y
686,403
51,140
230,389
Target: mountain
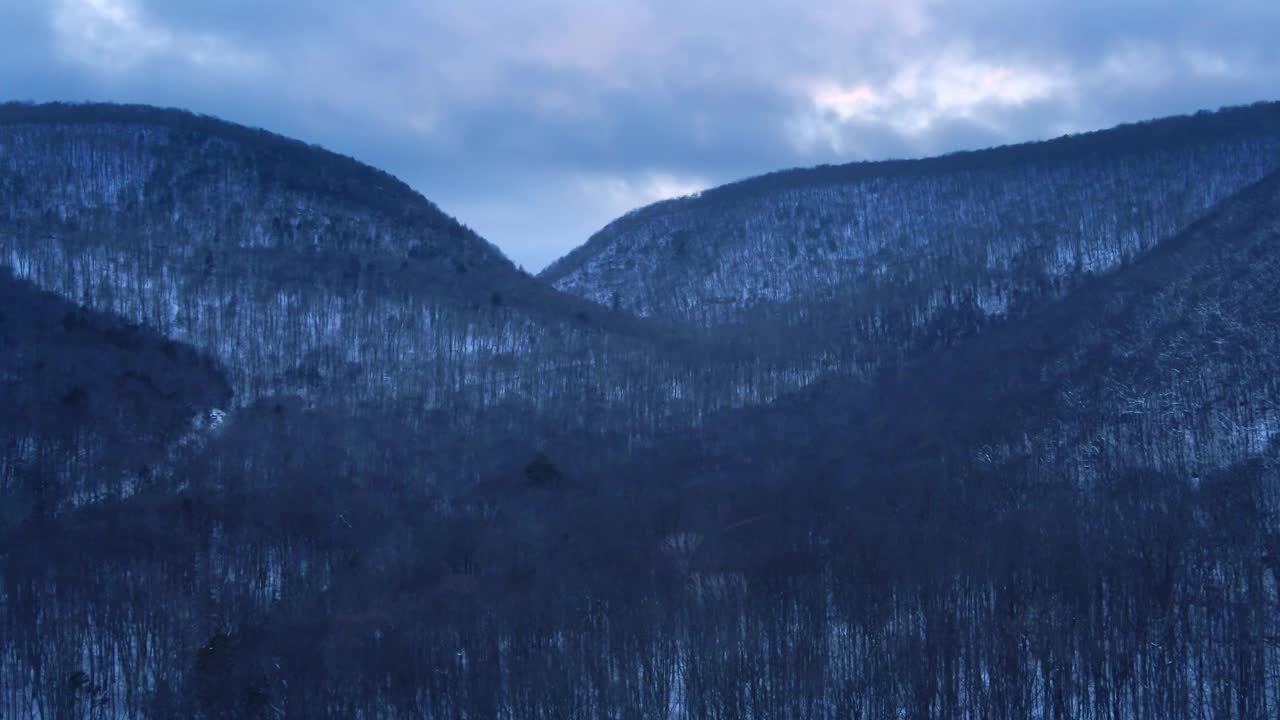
x,y
1168,364
93,405
844,266
1071,515
302,271
1064,509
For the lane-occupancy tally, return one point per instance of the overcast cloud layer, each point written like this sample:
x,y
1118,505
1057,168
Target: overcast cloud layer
x,y
537,121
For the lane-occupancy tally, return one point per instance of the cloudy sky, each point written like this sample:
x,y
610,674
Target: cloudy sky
x,y
537,121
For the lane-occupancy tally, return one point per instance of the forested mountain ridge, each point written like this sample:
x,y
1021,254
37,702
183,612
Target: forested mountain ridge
x,y
1168,364
113,163
304,272
844,265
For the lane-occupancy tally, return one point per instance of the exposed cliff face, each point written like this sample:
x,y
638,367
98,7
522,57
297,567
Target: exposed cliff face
x,y
874,250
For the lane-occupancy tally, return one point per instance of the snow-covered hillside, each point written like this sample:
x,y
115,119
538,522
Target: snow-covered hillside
x,y
304,272
995,229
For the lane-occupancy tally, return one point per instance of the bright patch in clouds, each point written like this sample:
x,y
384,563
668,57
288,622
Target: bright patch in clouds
x,y
961,87
115,36
106,33
860,102
914,98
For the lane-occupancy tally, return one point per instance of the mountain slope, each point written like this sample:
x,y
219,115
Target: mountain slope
x,y
286,194
1071,515
843,265
1168,364
89,404
303,271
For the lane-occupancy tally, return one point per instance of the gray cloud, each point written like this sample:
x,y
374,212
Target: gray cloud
x,y
538,121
